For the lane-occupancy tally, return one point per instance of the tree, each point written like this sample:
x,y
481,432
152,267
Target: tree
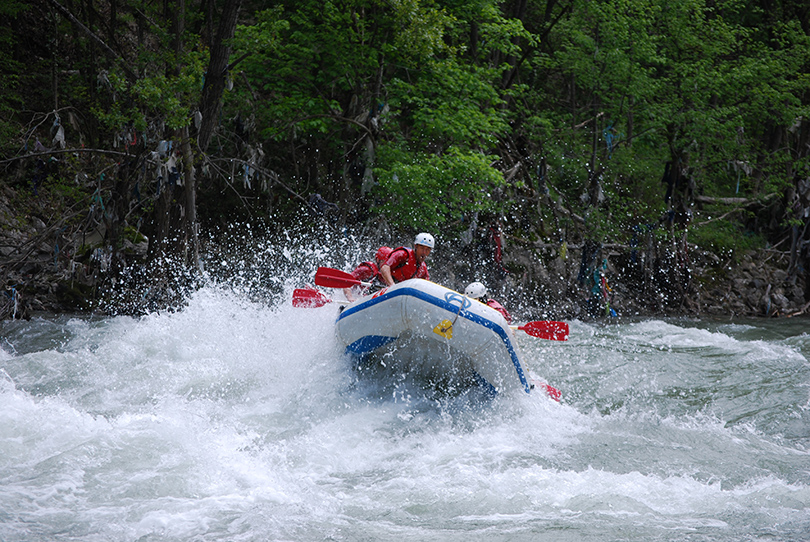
x,y
12,69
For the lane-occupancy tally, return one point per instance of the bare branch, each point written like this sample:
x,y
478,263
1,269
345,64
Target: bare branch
x,y
106,48
63,151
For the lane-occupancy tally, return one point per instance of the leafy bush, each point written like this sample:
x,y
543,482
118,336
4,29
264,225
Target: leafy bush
x,y
725,238
426,191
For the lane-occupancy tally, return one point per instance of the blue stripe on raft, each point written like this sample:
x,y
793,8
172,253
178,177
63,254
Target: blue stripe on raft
x,y
441,303
368,344
481,381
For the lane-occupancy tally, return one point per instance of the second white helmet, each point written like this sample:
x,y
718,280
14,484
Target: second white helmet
x,y
424,239
475,290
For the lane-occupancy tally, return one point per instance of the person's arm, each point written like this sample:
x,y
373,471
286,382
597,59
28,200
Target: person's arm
x,y
385,273
361,272
424,272
501,309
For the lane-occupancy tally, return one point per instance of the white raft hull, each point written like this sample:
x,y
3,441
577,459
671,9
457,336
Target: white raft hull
x,y
448,332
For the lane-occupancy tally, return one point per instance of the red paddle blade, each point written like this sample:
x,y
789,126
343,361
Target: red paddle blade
x,y
308,298
547,329
334,278
552,392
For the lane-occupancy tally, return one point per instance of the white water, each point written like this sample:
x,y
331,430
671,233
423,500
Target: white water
x,y
236,421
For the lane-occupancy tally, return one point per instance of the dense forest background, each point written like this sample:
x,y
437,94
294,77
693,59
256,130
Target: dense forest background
x,y
661,144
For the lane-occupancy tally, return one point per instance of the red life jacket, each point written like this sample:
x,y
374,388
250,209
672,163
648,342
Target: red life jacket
x,y
408,269
501,309
366,271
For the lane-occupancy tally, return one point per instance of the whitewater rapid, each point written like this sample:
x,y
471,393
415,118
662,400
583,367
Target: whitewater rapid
x,y
237,420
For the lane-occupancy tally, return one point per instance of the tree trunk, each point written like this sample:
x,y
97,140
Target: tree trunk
x,y
55,62
630,122
178,18
217,73
192,231
161,222
113,22
160,244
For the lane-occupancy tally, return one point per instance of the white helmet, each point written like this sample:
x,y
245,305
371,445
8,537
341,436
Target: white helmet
x,y
475,290
424,239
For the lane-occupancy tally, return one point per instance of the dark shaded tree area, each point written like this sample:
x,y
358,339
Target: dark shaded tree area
x,y
640,140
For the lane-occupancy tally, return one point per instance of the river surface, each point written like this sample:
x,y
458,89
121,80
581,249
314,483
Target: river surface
x,y
233,420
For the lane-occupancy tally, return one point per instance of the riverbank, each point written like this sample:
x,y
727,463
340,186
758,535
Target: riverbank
x,y
54,267
756,284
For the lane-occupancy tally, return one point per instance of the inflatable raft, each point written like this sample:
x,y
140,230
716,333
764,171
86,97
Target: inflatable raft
x,y
438,329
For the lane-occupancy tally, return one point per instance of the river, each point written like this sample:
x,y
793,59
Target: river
x,y
234,420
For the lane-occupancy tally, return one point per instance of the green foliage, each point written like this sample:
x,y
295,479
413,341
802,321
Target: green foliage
x,y
434,100
324,59
450,104
706,86
433,192
68,190
263,35
495,32
332,66
11,98
160,93
133,235
725,238
633,189
172,97
420,31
